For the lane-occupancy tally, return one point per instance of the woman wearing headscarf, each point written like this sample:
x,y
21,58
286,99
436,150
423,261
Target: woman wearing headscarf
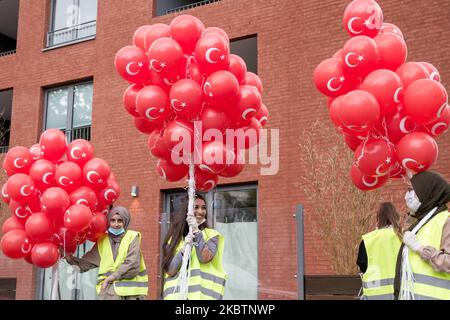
x,y
122,273
423,264
206,277
377,255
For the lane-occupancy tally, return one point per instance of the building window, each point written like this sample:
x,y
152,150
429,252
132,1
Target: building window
x,y
72,21
247,49
72,284
8,288
9,17
233,211
5,119
170,6
69,109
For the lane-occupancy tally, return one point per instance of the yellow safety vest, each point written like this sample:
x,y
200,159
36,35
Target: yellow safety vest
x,y
206,280
428,283
137,286
382,247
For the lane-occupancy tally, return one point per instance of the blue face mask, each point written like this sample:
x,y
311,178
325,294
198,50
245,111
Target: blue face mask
x,y
116,232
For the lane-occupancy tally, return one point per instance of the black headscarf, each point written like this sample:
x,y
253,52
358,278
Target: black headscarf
x,y
433,191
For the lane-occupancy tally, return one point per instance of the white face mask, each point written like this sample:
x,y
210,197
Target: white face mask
x,y
412,201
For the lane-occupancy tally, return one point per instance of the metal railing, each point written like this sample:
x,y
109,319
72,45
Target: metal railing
x,y
71,34
78,133
4,149
190,6
7,53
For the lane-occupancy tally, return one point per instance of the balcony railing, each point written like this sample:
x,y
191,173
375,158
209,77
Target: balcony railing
x,y
75,33
7,53
4,149
78,133
190,6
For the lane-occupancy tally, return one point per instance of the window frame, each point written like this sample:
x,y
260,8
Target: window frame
x,y
70,108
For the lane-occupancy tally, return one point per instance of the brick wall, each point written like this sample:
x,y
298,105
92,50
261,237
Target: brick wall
x,y
293,37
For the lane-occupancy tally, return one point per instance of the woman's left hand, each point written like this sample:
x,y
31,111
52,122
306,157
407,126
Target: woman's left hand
x,y
107,282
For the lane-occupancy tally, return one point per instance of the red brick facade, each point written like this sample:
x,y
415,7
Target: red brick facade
x,y
293,37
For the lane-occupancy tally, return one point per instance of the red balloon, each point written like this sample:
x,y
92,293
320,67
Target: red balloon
x,y
43,174
18,159
132,65
158,146
217,30
360,56
96,173
84,195
129,99
397,127
246,137
386,87
12,223
410,72
186,30
212,53
337,54
80,151
156,31
434,73
179,137
214,119
221,89
110,194
252,79
363,17
45,255
54,202
152,104
16,244
20,187
171,172
77,218
238,68
139,36
68,176
9,171
165,56
374,158
353,142
205,181
391,28
441,125
38,226
235,167
358,111
247,105
425,100
186,98
5,195
392,50
194,73
417,151
147,127
331,80
36,151
215,157
397,171
20,210
53,144
366,183
99,224
262,115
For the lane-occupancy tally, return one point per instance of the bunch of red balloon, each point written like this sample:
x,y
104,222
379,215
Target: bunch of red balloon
x,y
181,73
388,110
58,195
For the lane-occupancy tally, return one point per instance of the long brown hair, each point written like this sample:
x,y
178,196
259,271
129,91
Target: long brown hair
x,y
388,216
178,229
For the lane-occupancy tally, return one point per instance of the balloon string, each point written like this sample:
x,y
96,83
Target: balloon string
x,y
362,151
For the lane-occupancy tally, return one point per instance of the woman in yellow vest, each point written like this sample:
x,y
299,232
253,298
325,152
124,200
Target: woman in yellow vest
x,y
423,265
378,254
122,274
205,274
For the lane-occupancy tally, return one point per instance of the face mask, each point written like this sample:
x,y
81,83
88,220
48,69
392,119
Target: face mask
x,y
116,232
412,202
